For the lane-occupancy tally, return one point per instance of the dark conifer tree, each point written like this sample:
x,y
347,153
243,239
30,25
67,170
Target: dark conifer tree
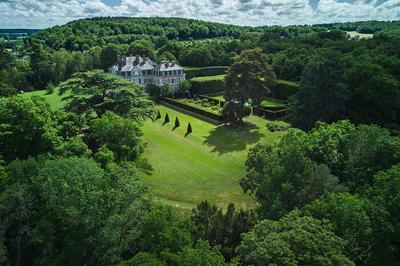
x,y
166,119
177,123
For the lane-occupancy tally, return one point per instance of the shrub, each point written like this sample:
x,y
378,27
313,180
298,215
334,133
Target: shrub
x,y
177,123
273,127
158,114
153,90
166,119
189,129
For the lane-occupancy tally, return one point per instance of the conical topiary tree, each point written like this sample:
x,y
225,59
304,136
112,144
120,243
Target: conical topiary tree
x,y
166,119
189,129
158,114
177,123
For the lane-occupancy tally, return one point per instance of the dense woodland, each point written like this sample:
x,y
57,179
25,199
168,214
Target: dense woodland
x,y
328,192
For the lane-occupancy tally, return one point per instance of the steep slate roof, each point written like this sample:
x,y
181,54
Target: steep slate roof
x,y
143,63
166,66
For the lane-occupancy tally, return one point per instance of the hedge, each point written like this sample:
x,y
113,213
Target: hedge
x,y
206,85
282,89
193,109
205,71
210,99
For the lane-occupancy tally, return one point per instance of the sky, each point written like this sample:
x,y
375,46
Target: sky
x,y
47,13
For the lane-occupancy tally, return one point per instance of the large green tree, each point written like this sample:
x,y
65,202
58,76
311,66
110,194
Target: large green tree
x,y
28,127
375,94
93,93
108,55
120,135
69,211
350,219
221,228
323,94
246,83
283,177
143,48
385,195
293,240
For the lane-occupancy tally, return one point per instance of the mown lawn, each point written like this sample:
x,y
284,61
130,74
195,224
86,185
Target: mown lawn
x,y
205,165
271,102
53,99
208,78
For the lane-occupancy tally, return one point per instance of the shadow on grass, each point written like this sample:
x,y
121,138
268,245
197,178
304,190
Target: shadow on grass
x,y
230,138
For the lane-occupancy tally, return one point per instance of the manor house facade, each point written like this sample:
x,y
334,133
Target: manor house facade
x,y
142,70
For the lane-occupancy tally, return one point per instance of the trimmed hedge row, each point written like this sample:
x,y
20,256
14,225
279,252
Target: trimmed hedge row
x,y
212,100
206,86
193,109
283,89
280,89
206,71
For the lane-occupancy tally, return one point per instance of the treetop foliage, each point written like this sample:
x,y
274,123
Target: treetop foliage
x,y
96,92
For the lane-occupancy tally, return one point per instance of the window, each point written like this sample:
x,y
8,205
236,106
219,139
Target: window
x,y
140,80
129,74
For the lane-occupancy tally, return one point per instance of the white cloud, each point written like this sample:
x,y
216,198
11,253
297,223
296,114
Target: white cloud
x,y
45,13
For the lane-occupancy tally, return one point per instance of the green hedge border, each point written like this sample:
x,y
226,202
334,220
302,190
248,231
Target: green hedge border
x,y
198,111
205,71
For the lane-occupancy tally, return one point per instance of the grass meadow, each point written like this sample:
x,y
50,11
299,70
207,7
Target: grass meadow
x,y
204,165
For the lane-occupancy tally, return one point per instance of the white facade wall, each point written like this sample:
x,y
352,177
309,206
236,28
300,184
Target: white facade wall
x,y
136,77
141,70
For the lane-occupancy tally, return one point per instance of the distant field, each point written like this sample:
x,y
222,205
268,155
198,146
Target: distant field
x,y
205,165
354,34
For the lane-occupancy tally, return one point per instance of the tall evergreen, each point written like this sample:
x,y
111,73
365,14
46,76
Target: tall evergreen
x,y
177,123
166,119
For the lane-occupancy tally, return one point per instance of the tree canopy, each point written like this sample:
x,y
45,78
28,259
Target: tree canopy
x,y
93,93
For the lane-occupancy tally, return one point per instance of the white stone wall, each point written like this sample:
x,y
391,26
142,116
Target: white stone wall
x,y
136,77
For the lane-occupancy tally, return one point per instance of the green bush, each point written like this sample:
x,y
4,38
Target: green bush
x,y
205,85
166,119
177,123
189,128
273,127
205,71
282,89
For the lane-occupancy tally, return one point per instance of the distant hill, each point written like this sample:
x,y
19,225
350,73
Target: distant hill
x,y
19,31
85,33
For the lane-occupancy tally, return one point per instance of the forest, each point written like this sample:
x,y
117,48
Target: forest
x,y
325,188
